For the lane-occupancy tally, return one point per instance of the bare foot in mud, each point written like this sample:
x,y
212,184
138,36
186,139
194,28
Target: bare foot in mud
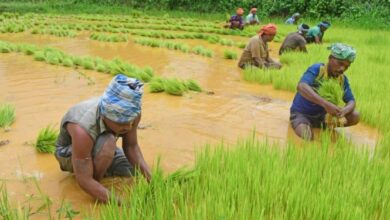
x,y
4,142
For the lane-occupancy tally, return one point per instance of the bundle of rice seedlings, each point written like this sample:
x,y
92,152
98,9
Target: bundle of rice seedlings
x,y
67,62
5,47
88,63
39,56
45,142
174,87
193,85
226,42
149,70
184,48
156,85
7,115
143,76
228,54
332,91
77,60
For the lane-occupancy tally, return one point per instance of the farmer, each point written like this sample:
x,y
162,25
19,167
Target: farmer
x,y
256,51
251,18
293,19
316,34
236,21
89,130
295,41
308,109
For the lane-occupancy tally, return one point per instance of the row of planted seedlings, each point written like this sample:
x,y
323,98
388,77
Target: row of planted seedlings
x,y
146,20
56,57
198,50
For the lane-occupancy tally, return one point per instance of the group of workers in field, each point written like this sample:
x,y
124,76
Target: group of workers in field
x,y
86,145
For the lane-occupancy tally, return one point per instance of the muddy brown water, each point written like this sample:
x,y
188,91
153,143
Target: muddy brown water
x,y
175,127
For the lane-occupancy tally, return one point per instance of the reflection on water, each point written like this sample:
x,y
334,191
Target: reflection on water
x,y
173,127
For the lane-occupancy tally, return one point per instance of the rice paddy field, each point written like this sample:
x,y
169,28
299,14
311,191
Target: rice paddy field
x,y
218,137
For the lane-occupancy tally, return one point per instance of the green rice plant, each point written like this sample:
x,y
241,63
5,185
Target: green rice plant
x,y
156,85
174,87
331,91
45,142
5,47
78,61
241,45
67,62
7,115
193,85
149,70
226,42
88,63
39,56
200,50
228,54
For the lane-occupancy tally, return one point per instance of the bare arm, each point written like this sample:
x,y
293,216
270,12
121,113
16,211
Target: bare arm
x,y
133,151
306,91
82,145
348,108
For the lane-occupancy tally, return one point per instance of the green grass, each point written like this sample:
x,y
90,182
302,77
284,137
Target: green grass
x,y
228,54
45,142
258,180
7,115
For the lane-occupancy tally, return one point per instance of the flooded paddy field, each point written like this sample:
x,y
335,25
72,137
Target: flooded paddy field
x,y
174,128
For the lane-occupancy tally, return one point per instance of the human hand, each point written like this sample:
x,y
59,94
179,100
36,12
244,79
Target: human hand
x,y
344,111
332,109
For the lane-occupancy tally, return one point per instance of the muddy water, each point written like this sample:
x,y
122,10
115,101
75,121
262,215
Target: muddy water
x,y
174,127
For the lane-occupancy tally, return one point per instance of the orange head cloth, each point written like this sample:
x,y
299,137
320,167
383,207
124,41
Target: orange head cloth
x,y
253,10
240,11
269,29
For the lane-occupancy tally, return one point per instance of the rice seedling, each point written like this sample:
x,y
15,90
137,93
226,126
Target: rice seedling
x,y
67,62
332,91
241,45
7,115
88,63
174,87
45,142
156,85
193,85
39,56
226,42
228,54
199,50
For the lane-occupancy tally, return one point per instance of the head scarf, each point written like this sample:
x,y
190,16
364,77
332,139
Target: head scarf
x,y
121,102
254,10
296,15
269,29
240,11
343,52
303,28
324,24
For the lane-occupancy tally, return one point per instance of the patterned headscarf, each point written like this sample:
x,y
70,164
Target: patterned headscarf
x,y
269,29
303,28
343,52
324,24
121,102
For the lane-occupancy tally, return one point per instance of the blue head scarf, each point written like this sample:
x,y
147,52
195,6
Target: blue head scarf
x,y
121,102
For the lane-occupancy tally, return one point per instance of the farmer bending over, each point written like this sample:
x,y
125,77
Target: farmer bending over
x,y
293,19
295,41
89,130
251,18
236,21
316,34
256,52
308,108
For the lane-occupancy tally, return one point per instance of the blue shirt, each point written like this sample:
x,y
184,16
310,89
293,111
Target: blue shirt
x,y
302,105
290,20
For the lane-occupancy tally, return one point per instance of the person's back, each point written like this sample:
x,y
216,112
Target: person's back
x,y
293,41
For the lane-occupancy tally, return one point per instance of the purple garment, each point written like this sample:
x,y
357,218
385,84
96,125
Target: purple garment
x,y
236,18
